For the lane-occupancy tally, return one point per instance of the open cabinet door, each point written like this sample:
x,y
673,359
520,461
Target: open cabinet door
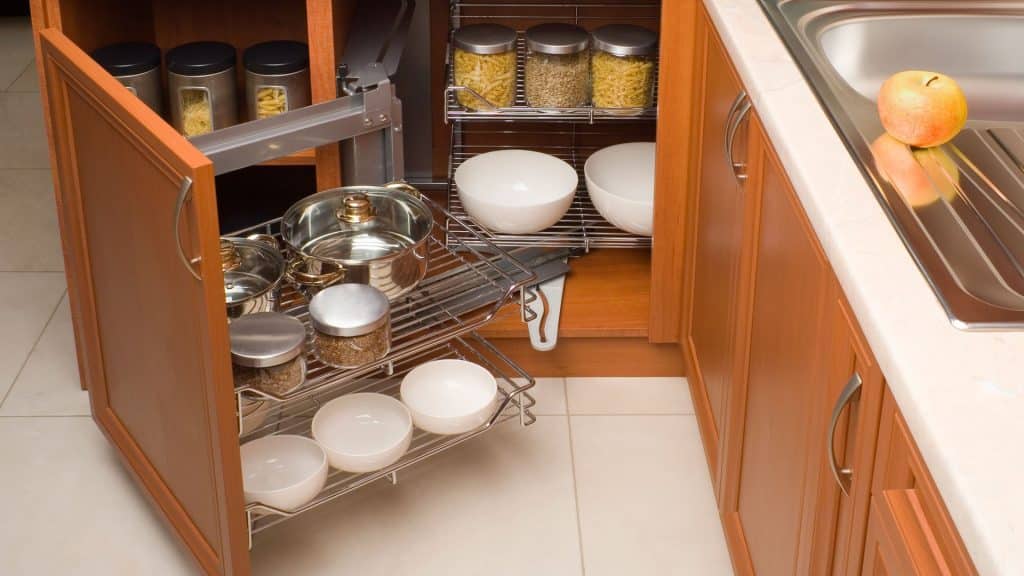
x,y
146,290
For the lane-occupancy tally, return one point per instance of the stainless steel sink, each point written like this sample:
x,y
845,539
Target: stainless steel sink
x,y
970,247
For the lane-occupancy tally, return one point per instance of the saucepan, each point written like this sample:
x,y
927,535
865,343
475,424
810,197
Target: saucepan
x,y
253,269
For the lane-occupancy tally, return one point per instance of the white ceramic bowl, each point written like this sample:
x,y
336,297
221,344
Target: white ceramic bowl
x,y
449,396
363,432
284,471
516,191
620,181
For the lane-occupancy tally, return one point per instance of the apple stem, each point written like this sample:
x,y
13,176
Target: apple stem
x,y
930,80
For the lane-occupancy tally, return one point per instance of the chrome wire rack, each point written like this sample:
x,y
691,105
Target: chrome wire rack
x,y
521,110
467,283
581,228
296,418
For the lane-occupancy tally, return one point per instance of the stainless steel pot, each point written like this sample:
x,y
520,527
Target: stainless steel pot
x,y
375,235
253,268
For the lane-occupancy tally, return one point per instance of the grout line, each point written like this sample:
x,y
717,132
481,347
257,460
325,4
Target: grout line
x,y
575,484
39,337
18,271
38,416
634,414
7,90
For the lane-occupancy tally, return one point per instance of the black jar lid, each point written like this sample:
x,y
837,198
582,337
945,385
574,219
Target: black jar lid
x,y
127,58
485,39
200,58
276,57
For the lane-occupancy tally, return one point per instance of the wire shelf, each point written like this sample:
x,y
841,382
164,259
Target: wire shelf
x,y
521,110
582,227
296,418
467,283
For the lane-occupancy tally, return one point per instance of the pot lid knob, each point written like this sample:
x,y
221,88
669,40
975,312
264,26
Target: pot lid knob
x,y
229,257
356,208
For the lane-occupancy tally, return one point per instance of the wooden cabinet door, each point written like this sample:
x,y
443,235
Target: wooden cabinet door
x,y
844,459
771,431
910,531
147,300
716,241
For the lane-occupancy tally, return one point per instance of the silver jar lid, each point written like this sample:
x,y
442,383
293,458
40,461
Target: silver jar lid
x,y
349,310
625,40
556,38
266,339
485,38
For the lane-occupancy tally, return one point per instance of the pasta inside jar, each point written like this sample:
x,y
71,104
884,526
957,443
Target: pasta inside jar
x,y
270,101
196,111
492,76
622,81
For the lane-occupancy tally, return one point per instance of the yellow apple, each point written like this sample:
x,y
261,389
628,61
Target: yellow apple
x,y
922,108
920,176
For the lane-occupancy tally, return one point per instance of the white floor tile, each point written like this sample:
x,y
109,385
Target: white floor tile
x,y
628,396
29,230
71,508
550,396
645,498
22,133
16,49
27,301
502,503
28,81
49,384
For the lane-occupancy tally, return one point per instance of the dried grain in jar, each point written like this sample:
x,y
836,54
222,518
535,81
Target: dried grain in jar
x,y
484,62
266,352
353,325
557,66
622,66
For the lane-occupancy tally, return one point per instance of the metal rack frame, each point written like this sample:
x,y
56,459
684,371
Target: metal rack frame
x,y
513,383
467,283
581,228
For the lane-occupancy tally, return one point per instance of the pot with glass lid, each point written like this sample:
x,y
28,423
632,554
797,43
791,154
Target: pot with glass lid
x,y
374,235
253,269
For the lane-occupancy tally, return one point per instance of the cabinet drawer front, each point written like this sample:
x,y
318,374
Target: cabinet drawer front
x,y
139,227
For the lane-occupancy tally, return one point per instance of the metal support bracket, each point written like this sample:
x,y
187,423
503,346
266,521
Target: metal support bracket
x,y
547,308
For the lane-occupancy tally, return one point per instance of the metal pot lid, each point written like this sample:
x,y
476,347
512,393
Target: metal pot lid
x,y
251,268
266,339
485,39
625,40
349,310
557,38
356,225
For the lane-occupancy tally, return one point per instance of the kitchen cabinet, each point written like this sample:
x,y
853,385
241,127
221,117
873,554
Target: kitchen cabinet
x,y
909,530
773,433
720,199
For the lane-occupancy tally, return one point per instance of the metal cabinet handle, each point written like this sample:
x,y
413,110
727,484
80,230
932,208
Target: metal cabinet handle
x,y
841,475
742,110
729,118
186,187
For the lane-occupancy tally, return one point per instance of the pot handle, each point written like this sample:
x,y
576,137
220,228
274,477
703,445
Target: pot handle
x,y
303,278
403,186
265,238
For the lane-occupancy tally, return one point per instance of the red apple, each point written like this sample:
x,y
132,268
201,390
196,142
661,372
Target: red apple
x,y
920,176
922,108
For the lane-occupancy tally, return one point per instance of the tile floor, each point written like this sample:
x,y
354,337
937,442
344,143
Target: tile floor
x,y
610,480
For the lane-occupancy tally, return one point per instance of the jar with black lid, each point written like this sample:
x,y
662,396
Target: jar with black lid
x,y
557,66
137,66
276,77
201,82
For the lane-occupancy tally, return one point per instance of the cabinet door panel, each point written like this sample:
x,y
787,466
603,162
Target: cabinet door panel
x,y
717,246
151,328
787,341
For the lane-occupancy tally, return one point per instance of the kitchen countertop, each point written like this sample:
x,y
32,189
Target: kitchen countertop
x,y
961,393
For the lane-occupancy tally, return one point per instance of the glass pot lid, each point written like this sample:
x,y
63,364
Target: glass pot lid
x,y
357,224
251,266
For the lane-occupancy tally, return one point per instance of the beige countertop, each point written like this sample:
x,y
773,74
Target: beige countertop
x,y
962,393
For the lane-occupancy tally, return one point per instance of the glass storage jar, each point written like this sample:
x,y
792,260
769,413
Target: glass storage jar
x,y
266,352
137,66
622,66
201,82
276,77
353,325
485,62
557,66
